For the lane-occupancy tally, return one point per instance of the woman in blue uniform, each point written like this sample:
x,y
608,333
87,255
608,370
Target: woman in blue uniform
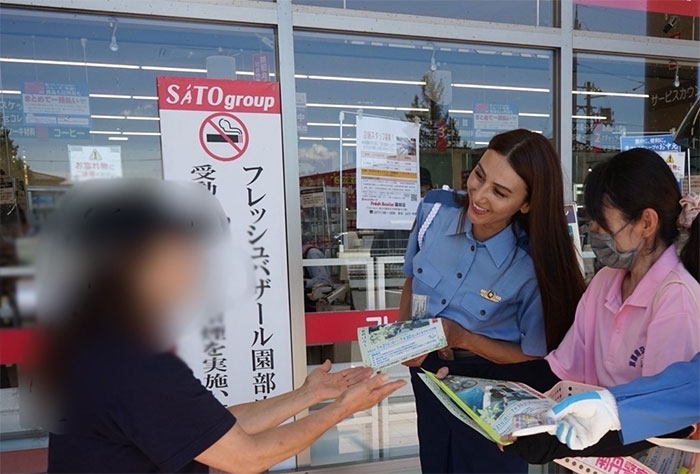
x,y
498,264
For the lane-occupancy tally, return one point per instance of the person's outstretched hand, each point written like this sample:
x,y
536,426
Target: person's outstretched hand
x,y
323,384
368,393
583,419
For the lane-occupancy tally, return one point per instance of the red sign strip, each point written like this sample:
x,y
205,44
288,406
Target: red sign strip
x,y
16,345
341,326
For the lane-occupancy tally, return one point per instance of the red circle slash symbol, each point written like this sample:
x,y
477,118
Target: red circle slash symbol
x,y
223,136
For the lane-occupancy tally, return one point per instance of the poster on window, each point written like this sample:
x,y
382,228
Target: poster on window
x,y
94,162
663,145
56,103
388,183
226,136
491,119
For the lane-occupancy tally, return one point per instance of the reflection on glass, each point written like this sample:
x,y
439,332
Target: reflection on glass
x,y
522,12
461,94
78,92
662,19
618,96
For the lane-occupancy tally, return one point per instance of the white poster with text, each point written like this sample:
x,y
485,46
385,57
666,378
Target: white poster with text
x,y
388,182
226,135
94,162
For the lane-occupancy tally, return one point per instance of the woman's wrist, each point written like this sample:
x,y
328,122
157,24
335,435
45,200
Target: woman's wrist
x,y
306,396
465,340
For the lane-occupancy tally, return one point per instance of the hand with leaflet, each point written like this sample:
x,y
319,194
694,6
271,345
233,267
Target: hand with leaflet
x,y
583,419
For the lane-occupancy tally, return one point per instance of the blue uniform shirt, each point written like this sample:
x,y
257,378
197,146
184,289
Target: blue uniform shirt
x,y
660,404
489,288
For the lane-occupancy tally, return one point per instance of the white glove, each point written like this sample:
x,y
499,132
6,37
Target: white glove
x,y
583,419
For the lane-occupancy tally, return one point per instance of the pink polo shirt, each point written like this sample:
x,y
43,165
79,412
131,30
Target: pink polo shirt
x,y
613,342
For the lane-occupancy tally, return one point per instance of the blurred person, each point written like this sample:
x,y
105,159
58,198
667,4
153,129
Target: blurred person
x,y
639,314
426,181
317,279
124,264
498,266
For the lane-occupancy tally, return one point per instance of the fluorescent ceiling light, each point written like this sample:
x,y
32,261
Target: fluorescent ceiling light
x,y
108,117
10,92
612,94
481,143
369,107
135,117
327,139
142,134
365,79
460,111
533,114
329,124
501,88
144,97
121,139
589,117
68,63
173,69
104,132
110,96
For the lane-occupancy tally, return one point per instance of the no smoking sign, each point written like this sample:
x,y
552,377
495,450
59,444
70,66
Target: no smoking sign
x,y
224,136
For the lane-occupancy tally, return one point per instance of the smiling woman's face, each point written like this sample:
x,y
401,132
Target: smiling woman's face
x,y
496,194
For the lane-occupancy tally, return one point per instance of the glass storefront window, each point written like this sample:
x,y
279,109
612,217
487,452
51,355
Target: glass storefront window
x,y
619,96
678,19
522,12
101,71
635,98
337,78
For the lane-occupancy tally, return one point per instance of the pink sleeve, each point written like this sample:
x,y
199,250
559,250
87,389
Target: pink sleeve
x,y
568,360
674,333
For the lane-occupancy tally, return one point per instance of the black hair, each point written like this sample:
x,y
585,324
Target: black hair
x,y
633,181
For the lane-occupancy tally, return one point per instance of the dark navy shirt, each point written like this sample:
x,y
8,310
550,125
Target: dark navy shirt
x,y
127,410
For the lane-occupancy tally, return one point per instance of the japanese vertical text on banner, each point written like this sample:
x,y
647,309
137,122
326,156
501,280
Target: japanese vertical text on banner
x,y
226,136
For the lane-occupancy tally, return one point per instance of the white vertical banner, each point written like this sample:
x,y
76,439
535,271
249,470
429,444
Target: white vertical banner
x,y
226,135
388,168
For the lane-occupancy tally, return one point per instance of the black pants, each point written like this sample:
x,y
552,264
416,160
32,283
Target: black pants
x,y
447,444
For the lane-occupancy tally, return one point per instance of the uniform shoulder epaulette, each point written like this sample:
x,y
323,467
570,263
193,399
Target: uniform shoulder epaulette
x,y
446,197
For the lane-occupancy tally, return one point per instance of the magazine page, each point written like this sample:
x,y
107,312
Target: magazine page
x,y
391,344
500,408
456,411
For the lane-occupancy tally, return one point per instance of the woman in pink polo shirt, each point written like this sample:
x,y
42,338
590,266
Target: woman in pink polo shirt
x,y
641,312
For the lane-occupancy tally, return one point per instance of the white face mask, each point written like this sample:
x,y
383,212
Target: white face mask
x,y
607,253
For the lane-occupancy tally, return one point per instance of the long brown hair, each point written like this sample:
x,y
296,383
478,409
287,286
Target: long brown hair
x,y
559,277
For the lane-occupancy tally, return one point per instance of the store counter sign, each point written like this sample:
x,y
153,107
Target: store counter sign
x,y
226,135
95,162
661,144
388,185
55,103
491,119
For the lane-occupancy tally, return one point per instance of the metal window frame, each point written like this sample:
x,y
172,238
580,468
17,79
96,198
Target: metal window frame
x,y
286,17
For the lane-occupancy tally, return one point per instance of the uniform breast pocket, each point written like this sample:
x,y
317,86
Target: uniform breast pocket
x,y
426,273
483,308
